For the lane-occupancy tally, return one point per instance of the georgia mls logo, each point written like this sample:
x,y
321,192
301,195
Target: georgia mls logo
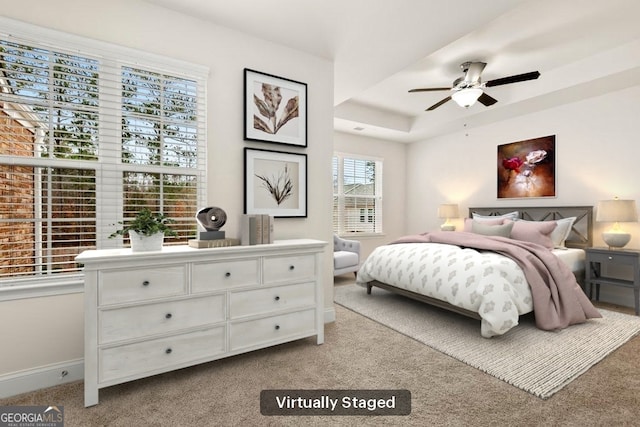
x,y
31,416
54,409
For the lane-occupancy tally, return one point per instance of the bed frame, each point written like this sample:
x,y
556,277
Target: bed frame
x,y
581,236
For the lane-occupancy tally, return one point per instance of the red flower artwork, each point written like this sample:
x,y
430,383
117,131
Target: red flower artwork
x,y
527,168
513,163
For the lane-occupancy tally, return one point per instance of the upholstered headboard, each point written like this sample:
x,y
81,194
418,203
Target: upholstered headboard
x,y
581,235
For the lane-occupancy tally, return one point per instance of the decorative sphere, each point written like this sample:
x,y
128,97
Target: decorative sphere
x,y
211,218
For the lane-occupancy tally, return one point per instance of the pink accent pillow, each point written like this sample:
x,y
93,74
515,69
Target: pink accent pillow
x,y
534,231
468,223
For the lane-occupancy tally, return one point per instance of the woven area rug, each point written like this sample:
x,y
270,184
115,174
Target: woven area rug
x,y
533,360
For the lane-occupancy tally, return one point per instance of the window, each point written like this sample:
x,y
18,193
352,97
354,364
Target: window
x,y
357,194
89,136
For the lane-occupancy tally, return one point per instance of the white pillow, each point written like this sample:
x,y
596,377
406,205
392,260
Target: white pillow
x,y
511,215
562,231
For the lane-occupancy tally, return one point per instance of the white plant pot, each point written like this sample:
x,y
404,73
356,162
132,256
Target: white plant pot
x,y
143,243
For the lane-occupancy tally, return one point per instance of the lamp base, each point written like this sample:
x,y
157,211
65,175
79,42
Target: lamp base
x,y
616,240
448,227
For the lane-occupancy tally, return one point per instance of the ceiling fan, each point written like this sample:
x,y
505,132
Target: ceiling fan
x,y
469,88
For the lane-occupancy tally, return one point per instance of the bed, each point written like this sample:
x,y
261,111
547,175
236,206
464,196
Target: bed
x,y
489,286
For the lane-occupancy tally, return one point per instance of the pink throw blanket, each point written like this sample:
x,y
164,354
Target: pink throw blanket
x,y
558,300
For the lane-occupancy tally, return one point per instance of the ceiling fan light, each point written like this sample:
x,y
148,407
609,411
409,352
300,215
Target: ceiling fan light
x,y
466,97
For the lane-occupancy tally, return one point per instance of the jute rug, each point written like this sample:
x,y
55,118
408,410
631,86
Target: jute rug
x,y
533,360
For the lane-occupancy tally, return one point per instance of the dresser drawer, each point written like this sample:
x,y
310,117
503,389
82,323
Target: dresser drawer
x,y
159,355
267,300
222,275
150,319
614,258
121,286
257,333
289,268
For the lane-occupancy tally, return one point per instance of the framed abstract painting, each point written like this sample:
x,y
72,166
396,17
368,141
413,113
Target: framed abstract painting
x,y
527,168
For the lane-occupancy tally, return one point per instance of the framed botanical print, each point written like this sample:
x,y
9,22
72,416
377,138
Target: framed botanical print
x,y
275,109
527,168
275,183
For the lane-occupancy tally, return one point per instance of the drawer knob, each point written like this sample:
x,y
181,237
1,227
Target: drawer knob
x,y
292,267
168,351
168,316
610,257
227,274
277,298
146,283
277,327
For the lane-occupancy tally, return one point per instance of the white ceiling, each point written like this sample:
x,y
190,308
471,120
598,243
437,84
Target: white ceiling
x,y
381,49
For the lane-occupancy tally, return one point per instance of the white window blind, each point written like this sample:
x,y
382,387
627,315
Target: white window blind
x,y
357,194
89,134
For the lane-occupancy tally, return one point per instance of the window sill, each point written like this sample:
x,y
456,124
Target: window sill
x,y
71,285
364,235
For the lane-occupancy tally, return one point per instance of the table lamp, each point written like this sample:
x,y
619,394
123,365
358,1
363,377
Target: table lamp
x,y
448,211
616,211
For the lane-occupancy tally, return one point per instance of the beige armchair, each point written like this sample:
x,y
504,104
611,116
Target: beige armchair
x,y
346,256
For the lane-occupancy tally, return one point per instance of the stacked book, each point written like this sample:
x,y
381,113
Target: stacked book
x,y
256,229
213,243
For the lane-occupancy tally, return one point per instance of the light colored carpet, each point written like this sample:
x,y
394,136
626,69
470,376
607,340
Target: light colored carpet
x,y
533,360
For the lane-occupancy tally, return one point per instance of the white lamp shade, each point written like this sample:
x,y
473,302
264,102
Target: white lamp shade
x,y
449,210
617,211
466,97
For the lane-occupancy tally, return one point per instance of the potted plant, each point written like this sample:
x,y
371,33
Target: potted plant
x,y
146,231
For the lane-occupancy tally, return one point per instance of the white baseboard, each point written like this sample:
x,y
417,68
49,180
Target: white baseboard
x,y
42,377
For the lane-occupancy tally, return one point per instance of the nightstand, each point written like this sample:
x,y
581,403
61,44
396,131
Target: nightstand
x,y
596,258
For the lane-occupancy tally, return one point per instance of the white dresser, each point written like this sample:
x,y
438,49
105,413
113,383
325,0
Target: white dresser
x,y
153,312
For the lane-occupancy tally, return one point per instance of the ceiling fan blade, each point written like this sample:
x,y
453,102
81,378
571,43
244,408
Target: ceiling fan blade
x,y
486,100
513,79
436,105
429,89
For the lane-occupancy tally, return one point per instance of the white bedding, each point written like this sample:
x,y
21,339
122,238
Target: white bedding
x,y
487,283
573,258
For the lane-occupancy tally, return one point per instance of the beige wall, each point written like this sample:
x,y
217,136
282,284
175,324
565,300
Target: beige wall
x,y
32,322
37,332
394,184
